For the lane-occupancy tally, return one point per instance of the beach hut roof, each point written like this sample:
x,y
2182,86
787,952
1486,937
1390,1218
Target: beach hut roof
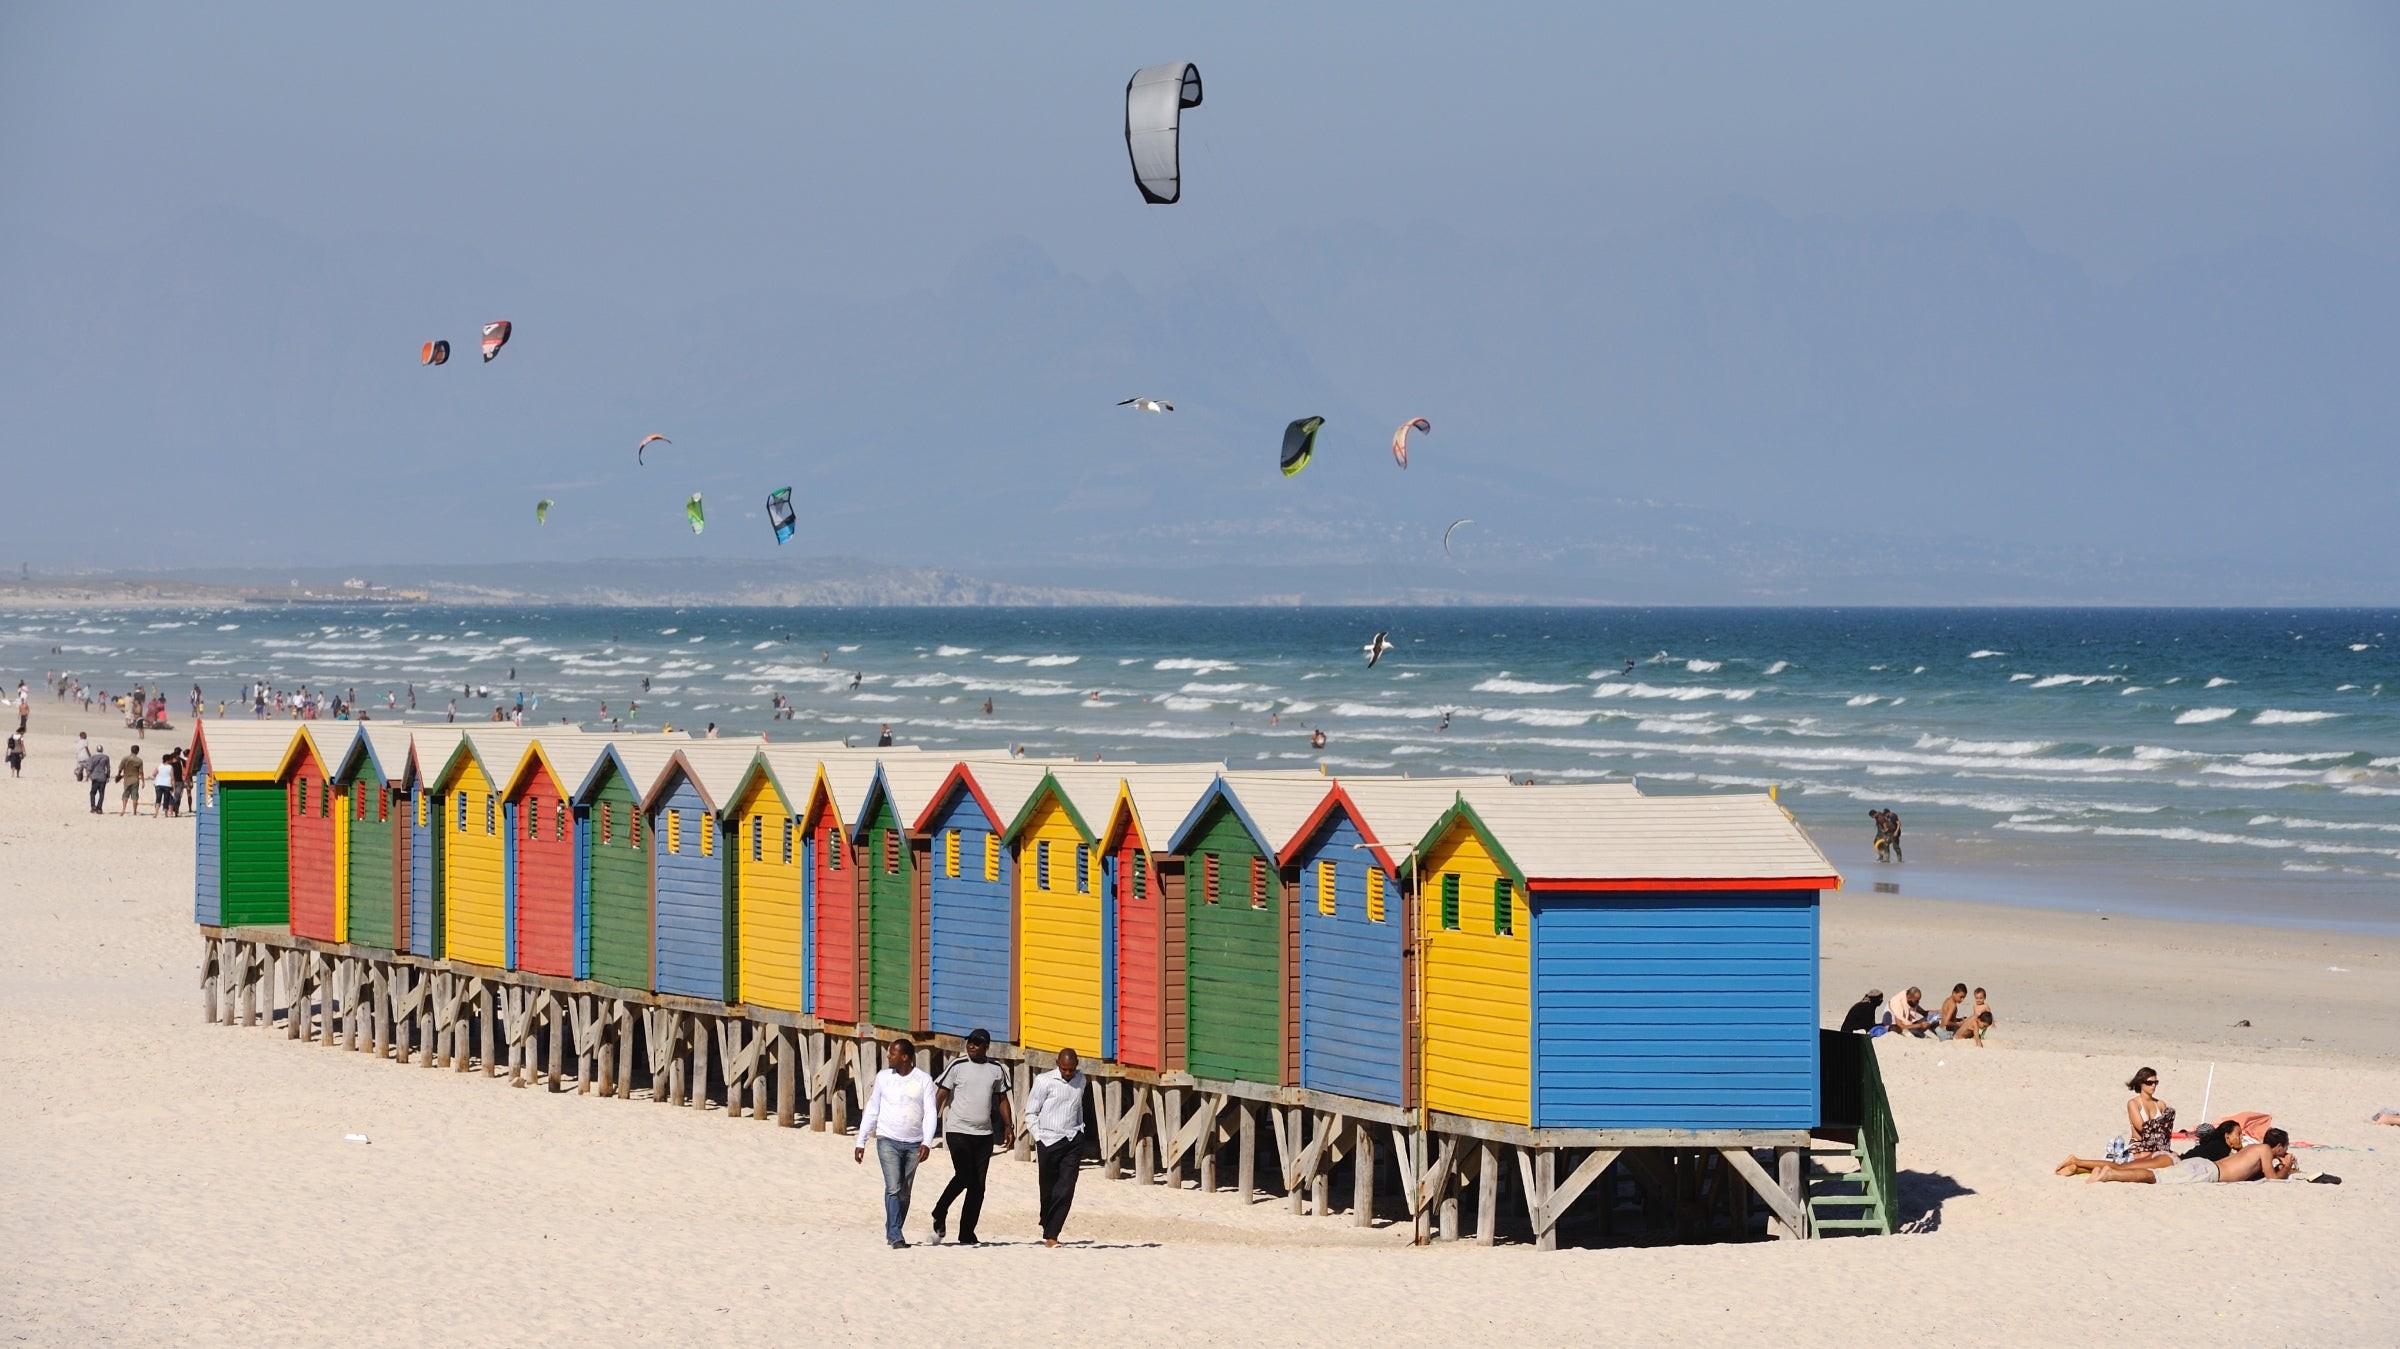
x,y
495,749
999,784
430,748
386,744
640,761
570,757
1155,796
1591,837
910,780
331,741
1080,788
716,769
1271,805
244,751
1391,813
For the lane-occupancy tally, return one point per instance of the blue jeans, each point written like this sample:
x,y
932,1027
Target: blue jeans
x,y
899,1176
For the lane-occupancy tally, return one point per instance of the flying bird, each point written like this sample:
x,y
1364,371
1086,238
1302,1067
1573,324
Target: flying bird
x,y
645,444
1148,404
1376,646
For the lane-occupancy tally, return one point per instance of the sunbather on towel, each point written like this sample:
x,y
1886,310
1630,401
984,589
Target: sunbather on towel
x,y
2270,1160
2387,1117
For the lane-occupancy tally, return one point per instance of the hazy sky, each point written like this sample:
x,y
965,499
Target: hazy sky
x,y
664,157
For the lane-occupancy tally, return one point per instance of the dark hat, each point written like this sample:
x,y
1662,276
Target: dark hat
x,y
979,1036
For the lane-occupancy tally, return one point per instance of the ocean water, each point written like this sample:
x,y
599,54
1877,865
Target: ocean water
x,y
2240,764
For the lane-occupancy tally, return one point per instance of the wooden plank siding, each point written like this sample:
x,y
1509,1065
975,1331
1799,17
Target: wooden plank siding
x,y
617,879
1141,948
1353,1013
691,899
370,858
474,859
1058,931
967,919
1234,960
544,858
768,938
308,796
1477,997
208,830
256,889
1676,1010
885,861
424,871
832,898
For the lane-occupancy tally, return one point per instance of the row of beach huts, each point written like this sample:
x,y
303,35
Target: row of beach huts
x,y
1532,963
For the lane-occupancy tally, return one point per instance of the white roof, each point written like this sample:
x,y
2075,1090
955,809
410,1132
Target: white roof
x,y
644,759
911,780
1394,813
1163,794
390,741
571,756
332,739
245,746
848,771
1591,833
717,767
1005,782
1277,801
434,746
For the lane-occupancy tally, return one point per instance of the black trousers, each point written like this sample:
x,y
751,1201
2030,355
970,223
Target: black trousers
x,y
1061,1162
99,790
970,1158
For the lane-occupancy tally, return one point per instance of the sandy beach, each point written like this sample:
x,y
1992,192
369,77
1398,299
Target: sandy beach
x,y
170,1180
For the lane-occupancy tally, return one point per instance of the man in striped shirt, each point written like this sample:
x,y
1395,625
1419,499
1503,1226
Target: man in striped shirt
x,y
899,1115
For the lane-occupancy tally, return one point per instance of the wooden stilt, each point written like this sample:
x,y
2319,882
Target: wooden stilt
x,y
1245,1164
1487,1196
1362,1174
787,1075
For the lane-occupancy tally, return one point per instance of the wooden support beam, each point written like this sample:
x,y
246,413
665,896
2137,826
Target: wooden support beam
x,y
1362,1174
1487,1195
787,1075
1246,1161
1785,1209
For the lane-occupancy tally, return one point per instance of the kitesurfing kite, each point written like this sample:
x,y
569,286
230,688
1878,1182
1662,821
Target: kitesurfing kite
x,y
693,515
781,515
1154,102
541,511
495,336
1450,531
1400,438
1376,646
1299,442
436,352
645,444
1148,404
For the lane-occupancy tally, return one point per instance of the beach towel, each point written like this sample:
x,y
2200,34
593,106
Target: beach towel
x,y
2254,1124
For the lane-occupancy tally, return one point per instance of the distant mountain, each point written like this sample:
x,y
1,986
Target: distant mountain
x,y
1739,406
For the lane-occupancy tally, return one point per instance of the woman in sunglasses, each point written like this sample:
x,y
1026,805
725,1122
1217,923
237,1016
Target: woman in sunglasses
x,y
2149,1129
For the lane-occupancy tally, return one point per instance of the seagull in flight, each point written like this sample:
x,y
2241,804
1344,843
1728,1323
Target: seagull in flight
x,y
1376,646
1148,404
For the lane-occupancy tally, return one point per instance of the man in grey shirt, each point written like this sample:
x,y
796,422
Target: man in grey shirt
x,y
974,1096
1054,1111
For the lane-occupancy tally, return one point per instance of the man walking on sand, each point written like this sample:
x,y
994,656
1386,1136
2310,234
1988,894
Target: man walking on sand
x,y
95,772
1054,1111
899,1115
131,778
974,1096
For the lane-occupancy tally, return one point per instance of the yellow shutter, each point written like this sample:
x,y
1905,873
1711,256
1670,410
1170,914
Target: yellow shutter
x,y
674,831
991,857
1374,893
1325,890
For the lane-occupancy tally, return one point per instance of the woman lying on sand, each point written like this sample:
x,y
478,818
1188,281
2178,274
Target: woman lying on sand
x,y
2149,1123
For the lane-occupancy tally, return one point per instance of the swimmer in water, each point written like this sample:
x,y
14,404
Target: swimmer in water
x,y
1445,721
1316,739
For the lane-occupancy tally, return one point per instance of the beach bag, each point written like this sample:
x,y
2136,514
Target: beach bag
x,y
2119,1150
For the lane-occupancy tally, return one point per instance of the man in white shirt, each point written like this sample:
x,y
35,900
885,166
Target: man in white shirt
x,y
900,1114
1054,1111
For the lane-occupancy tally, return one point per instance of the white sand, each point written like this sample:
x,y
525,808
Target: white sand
x,y
169,1180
